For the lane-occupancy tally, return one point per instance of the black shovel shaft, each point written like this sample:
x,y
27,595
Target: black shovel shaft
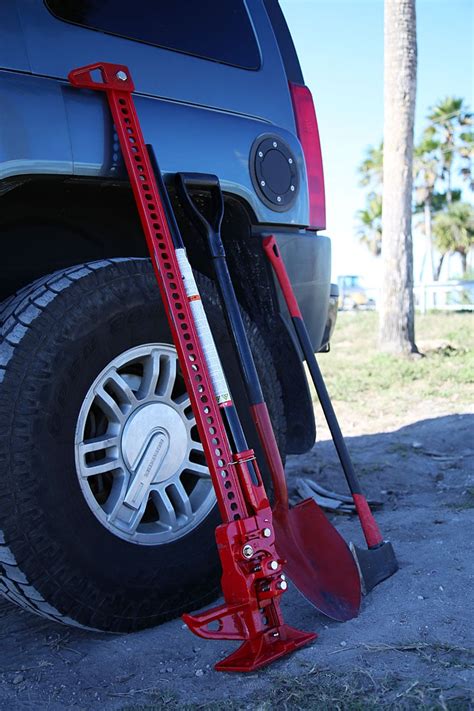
x,y
246,361
210,229
230,413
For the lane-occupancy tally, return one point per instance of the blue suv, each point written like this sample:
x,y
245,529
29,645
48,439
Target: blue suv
x,y
87,366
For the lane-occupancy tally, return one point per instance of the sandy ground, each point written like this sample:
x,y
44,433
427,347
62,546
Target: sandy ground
x,y
410,647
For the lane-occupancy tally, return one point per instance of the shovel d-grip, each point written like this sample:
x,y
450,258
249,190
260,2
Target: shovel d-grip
x,y
252,581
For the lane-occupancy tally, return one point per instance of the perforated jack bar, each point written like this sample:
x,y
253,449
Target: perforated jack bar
x,y
252,581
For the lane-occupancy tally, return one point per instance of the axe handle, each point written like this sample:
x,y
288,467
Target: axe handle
x,y
369,526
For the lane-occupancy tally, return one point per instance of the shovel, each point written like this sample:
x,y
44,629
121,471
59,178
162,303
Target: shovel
x,y
318,560
378,561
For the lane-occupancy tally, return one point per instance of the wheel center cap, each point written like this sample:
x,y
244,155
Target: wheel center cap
x,y
154,444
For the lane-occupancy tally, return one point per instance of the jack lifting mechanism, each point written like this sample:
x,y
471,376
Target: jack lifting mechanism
x,y
311,551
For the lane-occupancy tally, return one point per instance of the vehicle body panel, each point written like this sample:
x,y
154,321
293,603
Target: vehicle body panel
x,y
204,140
55,46
308,263
31,106
203,104
13,53
199,115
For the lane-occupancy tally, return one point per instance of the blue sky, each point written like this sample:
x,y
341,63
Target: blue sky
x,y
340,46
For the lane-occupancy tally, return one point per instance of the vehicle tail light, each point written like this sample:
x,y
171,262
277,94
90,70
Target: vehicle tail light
x,y
307,129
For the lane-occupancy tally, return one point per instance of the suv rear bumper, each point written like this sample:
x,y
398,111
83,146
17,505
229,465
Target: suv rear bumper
x,y
307,257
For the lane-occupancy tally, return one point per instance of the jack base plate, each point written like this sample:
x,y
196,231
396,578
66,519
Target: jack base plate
x,y
264,649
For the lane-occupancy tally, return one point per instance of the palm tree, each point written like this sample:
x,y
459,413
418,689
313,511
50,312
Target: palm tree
x,y
425,174
466,152
371,168
397,327
369,228
448,118
454,231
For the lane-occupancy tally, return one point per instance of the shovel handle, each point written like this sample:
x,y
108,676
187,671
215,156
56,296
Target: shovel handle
x,y
206,183
210,228
369,526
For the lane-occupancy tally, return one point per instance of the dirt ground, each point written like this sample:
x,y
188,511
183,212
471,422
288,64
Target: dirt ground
x,y
410,647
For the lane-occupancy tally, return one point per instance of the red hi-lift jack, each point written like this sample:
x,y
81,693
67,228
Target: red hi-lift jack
x,y
252,580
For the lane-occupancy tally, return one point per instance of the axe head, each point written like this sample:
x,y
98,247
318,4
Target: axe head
x,y
375,564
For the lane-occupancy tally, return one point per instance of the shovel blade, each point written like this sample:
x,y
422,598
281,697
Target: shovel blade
x,y
318,560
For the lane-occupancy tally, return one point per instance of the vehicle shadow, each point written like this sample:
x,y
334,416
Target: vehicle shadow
x,y
420,457
423,473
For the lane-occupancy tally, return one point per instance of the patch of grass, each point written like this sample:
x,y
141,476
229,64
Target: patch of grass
x,y
442,654
466,503
401,449
359,691
356,370
322,689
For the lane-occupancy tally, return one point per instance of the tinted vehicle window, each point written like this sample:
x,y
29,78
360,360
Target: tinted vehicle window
x,y
211,29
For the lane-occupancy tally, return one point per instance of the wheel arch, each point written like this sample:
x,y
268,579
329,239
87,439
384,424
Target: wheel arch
x,y
50,223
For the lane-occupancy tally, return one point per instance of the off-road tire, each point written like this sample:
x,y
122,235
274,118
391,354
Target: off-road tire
x,y
56,558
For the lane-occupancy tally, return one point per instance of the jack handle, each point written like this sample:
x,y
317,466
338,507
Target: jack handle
x,y
102,76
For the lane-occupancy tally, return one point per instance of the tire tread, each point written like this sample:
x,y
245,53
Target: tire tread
x,y
17,315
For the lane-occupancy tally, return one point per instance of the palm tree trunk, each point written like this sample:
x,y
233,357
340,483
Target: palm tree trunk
x,y
449,167
429,236
449,191
440,264
464,263
397,328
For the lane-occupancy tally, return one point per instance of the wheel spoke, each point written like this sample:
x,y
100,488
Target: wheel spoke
x,y
165,508
103,466
200,470
151,373
121,389
184,404
180,499
97,444
182,401
195,446
167,376
108,405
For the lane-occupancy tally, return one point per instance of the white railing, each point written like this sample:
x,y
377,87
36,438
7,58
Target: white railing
x,y
445,296
437,296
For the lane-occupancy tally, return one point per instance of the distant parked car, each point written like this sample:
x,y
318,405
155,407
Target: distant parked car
x,y
352,295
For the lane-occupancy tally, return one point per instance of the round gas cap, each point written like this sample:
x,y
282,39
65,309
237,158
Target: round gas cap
x,y
273,171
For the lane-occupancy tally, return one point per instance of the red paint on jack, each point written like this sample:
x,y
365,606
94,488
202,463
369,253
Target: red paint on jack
x,y
251,611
